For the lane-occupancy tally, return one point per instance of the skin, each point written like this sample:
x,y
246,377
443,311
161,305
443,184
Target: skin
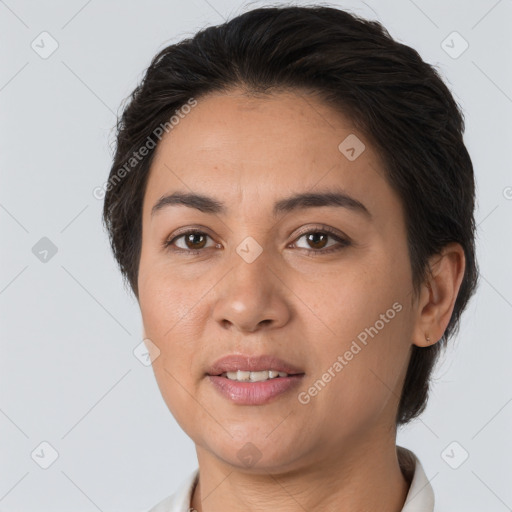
x,y
249,152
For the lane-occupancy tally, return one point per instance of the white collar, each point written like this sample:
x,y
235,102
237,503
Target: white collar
x,y
420,497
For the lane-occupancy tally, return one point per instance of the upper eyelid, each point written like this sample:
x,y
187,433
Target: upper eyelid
x,y
204,231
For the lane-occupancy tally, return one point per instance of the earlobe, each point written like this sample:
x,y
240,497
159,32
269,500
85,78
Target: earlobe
x,y
438,295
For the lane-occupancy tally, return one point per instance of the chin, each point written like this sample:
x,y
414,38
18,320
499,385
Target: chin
x,y
257,455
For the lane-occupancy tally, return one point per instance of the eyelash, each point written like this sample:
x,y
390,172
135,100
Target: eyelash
x,y
343,242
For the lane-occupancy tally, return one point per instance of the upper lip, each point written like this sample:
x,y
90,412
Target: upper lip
x,y
234,362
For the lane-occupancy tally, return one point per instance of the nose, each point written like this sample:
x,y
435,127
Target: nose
x,y
252,296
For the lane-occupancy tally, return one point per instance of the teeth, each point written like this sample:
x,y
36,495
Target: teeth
x,y
242,376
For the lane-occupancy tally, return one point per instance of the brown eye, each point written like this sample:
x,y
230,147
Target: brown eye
x,y
317,241
195,240
190,241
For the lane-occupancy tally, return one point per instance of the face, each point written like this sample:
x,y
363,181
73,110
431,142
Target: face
x,y
324,286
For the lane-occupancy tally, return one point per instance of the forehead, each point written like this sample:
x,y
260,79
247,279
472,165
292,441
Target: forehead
x,y
250,148
258,129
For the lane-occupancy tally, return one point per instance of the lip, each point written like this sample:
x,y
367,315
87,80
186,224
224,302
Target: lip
x,y
254,393
234,362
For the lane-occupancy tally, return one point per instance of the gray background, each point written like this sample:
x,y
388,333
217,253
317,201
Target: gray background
x,y
68,327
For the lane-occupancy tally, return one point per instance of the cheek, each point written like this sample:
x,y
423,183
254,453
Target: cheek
x,y
365,321
163,300
168,317
352,298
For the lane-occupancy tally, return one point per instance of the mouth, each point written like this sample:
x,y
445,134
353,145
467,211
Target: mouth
x,y
260,376
255,392
249,380
244,368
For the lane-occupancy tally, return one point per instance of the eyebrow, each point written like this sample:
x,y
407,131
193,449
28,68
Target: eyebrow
x,y
295,202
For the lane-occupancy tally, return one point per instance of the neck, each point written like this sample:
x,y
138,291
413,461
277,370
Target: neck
x,y
366,478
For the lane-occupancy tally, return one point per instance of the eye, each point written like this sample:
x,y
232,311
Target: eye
x,y
317,239
193,241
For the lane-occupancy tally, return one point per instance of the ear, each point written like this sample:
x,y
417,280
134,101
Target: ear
x,y
437,296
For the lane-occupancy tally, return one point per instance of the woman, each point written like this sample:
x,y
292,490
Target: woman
x,y
291,203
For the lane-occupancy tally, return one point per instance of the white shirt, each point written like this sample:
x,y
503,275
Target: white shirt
x,y
420,497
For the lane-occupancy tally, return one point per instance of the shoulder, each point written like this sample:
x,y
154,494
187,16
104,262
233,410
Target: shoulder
x,y
179,501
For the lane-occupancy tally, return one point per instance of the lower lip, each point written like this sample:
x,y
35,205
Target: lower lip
x,y
254,393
